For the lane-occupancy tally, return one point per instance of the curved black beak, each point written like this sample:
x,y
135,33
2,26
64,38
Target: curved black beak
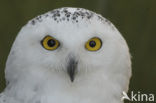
x,y
71,68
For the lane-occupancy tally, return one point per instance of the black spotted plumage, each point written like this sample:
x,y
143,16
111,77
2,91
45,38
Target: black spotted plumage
x,y
64,14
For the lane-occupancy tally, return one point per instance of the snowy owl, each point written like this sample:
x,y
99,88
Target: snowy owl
x,y
68,55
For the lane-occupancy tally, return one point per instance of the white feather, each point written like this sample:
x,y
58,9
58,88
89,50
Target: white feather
x,y
36,75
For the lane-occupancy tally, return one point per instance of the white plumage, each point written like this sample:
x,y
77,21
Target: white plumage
x,y
71,73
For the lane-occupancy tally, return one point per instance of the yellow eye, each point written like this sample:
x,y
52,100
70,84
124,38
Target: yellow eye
x,y
93,44
50,43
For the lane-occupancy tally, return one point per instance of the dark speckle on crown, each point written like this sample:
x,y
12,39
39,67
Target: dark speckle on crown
x,y
70,15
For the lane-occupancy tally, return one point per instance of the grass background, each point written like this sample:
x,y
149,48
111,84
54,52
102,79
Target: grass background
x,y
135,19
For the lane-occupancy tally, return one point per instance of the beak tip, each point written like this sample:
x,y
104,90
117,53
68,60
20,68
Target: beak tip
x,y
72,75
72,80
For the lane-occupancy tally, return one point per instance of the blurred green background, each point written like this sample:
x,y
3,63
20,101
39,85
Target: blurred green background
x,y
135,19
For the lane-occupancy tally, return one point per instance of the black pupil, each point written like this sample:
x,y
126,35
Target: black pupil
x,y
51,42
92,44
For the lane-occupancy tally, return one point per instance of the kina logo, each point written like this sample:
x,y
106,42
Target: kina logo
x,y
138,96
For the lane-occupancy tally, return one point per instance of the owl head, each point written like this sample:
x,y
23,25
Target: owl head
x,y
69,48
